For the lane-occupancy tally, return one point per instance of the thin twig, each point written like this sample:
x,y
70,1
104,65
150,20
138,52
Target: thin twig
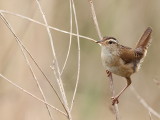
x,y
78,42
95,19
59,80
144,103
53,28
70,37
100,37
27,61
37,98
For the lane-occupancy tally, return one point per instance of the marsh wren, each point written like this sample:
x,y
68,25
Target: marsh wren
x,y
122,60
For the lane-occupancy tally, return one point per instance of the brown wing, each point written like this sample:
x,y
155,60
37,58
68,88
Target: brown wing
x,y
145,39
129,55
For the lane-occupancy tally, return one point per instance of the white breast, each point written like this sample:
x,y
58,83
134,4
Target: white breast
x,y
109,58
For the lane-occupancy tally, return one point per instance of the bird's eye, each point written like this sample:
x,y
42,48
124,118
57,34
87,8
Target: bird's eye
x,y
110,42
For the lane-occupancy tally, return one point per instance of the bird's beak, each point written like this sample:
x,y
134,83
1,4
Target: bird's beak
x,y
99,41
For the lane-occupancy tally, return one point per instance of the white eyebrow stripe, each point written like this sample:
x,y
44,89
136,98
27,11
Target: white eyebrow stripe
x,y
113,40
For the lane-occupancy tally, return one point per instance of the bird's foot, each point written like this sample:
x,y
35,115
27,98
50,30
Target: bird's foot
x,y
108,73
114,100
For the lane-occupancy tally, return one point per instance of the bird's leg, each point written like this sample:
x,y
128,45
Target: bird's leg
x,y
108,73
115,99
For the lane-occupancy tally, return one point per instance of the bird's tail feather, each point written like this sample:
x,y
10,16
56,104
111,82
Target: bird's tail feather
x,y
145,40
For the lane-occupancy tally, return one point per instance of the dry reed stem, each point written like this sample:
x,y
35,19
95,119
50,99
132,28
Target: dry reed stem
x,y
27,61
32,58
51,27
116,111
70,38
37,98
144,103
95,19
59,80
78,43
42,72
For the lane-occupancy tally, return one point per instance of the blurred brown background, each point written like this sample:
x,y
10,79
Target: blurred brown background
x,y
124,19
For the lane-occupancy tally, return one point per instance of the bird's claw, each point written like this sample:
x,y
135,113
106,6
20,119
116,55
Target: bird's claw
x,y
108,73
114,100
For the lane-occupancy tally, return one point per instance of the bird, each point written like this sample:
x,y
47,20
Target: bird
x,y
122,60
